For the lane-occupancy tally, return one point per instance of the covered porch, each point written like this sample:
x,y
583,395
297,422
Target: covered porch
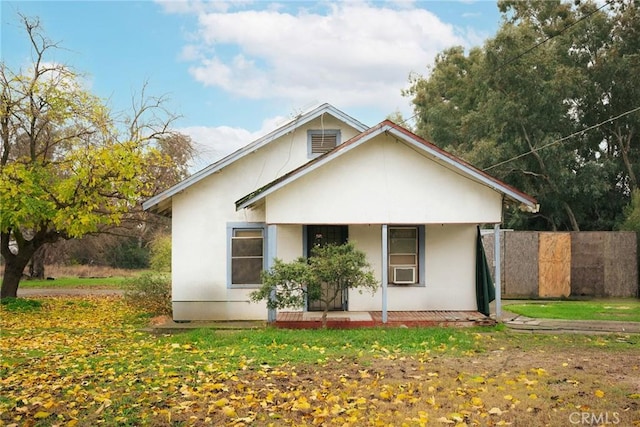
x,y
370,319
443,289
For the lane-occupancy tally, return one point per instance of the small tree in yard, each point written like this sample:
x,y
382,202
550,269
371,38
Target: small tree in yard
x,y
323,277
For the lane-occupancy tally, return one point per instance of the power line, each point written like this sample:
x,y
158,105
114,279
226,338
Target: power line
x,y
564,138
535,46
540,43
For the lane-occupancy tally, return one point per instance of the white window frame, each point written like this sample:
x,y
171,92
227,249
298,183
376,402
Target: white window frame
x,y
419,260
231,231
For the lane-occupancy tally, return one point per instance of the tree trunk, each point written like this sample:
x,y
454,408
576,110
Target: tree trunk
x,y
17,259
625,149
13,269
572,217
324,316
36,266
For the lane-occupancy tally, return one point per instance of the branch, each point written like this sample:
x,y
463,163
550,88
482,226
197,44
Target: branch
x,y
158,127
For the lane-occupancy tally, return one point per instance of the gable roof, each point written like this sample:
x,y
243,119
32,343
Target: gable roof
x,y
526,202
161,203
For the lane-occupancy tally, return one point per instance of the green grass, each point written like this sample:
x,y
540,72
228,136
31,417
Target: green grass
x,y
276,346
622,310
75,282
20,304
86,360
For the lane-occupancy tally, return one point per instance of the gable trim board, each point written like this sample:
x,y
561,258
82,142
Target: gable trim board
x,y
525,201
161,203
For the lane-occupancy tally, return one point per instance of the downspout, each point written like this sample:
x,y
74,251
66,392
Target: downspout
x,y
497,279
385,271
272,314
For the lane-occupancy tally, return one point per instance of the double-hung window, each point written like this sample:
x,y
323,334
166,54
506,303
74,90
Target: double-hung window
x,y
246,255
322,140
404,255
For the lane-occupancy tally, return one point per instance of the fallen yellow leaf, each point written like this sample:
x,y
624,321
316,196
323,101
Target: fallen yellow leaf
x,y
41,414
385,394
495,411
229,411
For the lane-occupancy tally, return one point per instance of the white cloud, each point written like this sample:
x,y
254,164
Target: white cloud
x,y
349,54
214,143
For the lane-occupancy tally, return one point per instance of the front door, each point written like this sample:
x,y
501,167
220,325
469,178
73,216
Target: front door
x,y
323,235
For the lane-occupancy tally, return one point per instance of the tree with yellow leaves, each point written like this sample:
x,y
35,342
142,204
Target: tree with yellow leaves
x,y
67,167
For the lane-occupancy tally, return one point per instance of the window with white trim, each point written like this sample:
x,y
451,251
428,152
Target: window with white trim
x,y
246,255
322,140
403,252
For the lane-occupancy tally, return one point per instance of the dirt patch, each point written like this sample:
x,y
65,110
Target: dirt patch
x,y
160,320
505,386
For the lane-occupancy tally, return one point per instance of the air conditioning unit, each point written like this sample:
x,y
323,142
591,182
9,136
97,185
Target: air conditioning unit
x,y
404,275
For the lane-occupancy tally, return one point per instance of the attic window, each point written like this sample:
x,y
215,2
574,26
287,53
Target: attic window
x,y
321,141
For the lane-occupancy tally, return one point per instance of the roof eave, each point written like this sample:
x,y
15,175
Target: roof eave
x,y
299,120
252,198
526,202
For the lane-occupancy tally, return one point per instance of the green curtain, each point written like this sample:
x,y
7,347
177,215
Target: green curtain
x,y
485,291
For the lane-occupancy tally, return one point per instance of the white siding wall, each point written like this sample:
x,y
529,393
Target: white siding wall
x,y
199,227
360,183
290,242
450,271
383,181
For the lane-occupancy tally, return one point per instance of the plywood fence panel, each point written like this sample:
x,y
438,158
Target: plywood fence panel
x,y
587,263
554,264
536,264
621,264
489,246
520,264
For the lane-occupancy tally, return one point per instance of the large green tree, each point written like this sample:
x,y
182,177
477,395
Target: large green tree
x,y
552,70
67,166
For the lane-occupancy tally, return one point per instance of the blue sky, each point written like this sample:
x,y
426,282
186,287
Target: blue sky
x,y
236,70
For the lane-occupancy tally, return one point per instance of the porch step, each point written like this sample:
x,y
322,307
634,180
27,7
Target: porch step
x,y
358,316
360,319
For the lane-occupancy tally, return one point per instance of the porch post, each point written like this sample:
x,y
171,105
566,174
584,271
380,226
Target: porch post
x,y
385,271
497,259
271,254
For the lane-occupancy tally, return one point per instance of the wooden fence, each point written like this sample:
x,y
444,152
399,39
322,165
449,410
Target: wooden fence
x,y
557,264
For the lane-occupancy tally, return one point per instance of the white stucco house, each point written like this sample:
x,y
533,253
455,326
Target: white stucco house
x,y
324,176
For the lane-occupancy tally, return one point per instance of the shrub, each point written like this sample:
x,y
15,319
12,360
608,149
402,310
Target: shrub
x,y
160,256
129,255
150,291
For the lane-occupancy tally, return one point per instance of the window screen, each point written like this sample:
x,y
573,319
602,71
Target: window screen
x,y
247,256
403,253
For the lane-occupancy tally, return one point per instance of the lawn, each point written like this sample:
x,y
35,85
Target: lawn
x,y
86,361
80,276
623,310
75,282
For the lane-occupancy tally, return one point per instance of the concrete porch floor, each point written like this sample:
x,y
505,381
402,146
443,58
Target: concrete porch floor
x,y
363,319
